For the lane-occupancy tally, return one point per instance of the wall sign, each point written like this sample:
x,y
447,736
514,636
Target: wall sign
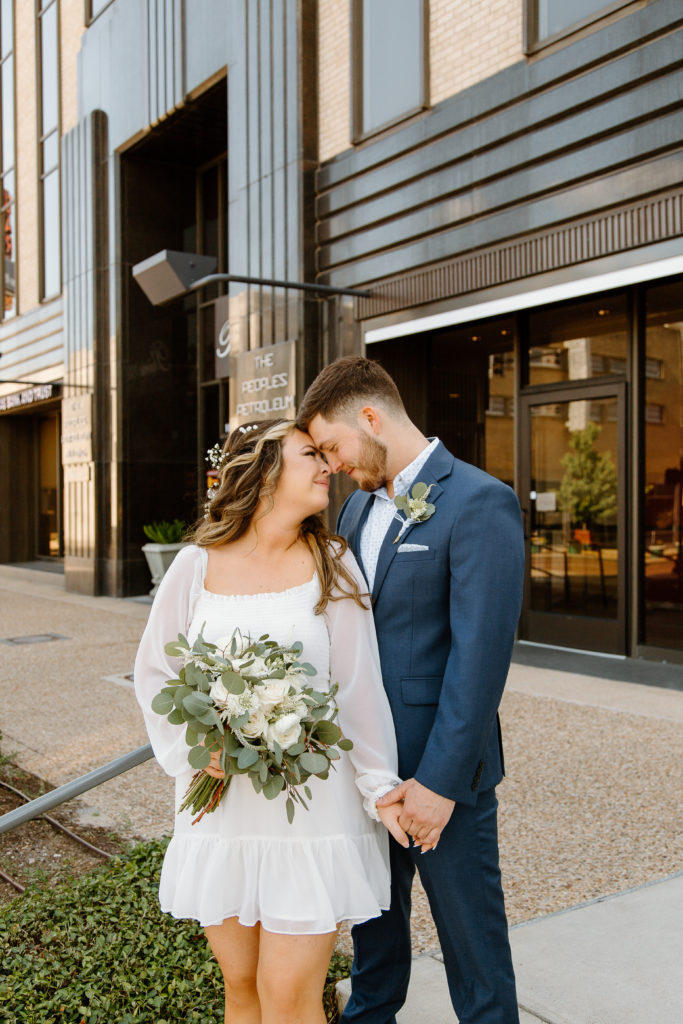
x,y
18,399
263,384
76,430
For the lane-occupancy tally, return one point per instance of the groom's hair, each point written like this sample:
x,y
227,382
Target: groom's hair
x,y
345,386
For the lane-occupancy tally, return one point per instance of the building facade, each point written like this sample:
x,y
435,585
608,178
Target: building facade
x,y
502,177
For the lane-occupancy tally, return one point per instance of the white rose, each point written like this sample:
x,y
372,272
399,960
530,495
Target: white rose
x,y
271,694
257,667
284,731
218,693
256,726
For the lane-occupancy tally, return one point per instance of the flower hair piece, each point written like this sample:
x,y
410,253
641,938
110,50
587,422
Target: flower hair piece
x,y
249,426
216,456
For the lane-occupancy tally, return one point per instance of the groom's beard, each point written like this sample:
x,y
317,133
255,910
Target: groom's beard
x,y
371,464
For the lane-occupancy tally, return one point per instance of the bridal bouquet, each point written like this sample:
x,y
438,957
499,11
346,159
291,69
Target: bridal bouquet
x,y
249,701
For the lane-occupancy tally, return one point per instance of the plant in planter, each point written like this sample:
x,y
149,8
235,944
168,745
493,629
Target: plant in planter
x,y
165,543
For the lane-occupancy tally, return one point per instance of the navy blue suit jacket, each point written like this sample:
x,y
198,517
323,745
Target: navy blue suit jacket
x,y
446,618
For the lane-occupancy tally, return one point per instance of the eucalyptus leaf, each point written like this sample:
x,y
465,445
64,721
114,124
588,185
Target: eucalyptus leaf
x,y
296,749
180,693
313,763
308,793
246,757
274,786
191,737
238,721
194,676
175,649
176,717
419,491
401,502
277,751
163,702
196,703
232,682
263,771
345,744
290,809
199,758
327,732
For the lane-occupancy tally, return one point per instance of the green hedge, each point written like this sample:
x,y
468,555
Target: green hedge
x,y
97,950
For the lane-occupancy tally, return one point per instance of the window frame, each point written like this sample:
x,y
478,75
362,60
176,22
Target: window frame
x,y
358,134
40,11
88,15
531,44
4,315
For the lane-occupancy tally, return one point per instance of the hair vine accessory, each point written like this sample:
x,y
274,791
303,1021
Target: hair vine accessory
x,y
216,456
249,426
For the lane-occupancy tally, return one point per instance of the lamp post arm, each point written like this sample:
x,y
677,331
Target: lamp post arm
x,y
321,289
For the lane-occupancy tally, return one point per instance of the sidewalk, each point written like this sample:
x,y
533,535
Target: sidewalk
x,y
590,811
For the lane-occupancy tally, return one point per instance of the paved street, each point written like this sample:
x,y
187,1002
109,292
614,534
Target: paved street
x,y
590,808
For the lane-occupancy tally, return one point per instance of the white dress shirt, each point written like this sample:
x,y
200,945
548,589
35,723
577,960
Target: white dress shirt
x,y
383,511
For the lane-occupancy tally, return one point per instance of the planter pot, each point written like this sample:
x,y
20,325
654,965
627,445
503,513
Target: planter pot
x,y
159,557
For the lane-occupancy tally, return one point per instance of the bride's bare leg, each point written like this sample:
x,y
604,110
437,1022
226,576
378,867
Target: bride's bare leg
x,y
291,977
236,949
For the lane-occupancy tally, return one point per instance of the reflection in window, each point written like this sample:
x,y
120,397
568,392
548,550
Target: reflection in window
x,y
389,61
48,40
663,414
8,305
578,341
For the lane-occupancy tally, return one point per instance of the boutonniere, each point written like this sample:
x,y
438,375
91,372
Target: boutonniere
x,y
416,508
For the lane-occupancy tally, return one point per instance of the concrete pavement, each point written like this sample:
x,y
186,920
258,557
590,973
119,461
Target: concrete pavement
x,y
66,706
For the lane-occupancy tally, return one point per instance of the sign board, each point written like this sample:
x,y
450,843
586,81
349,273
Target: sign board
x,y
19,399
222,337
76,430
263,384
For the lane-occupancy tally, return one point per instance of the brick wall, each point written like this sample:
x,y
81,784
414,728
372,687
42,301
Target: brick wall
x,y
334,77
469,40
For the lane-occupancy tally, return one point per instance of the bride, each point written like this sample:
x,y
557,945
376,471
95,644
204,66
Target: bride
x,y
271,895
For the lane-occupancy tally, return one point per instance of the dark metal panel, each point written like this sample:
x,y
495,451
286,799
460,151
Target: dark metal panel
x,y
661,174
550,176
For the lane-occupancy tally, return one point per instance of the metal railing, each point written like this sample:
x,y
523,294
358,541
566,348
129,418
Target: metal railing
x,y
47,801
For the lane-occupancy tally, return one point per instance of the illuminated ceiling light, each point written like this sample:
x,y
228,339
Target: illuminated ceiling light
x,y
504,332
455,394
476,337
604,312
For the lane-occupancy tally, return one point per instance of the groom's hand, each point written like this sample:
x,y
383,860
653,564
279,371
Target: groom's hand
x,y
424,815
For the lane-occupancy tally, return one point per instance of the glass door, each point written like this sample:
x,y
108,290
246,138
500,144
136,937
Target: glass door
x,y
573,494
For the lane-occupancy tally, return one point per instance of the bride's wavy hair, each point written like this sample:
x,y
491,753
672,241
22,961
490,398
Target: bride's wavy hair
x,y
251,465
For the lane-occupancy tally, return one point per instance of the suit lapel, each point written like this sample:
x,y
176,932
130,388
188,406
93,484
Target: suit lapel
x,y
437,466
354,520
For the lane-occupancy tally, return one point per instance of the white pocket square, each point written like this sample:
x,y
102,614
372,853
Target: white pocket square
x,y
413,547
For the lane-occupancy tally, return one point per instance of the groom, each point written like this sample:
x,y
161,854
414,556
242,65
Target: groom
x,y
446,582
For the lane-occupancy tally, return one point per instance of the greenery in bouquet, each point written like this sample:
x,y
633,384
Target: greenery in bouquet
x,y
250,702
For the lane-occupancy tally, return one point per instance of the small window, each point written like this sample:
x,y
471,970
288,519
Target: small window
x,y
389,63
545,21
8,256
48,149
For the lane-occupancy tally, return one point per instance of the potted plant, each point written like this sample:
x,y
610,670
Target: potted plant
x,y
166,541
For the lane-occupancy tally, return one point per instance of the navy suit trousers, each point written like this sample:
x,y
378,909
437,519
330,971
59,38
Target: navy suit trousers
x,y
462,881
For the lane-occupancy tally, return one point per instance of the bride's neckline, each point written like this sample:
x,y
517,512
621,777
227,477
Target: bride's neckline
x,y
204,555
260,593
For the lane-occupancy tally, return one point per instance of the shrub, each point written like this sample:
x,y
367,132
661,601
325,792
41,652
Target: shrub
x,y
165,532
97,950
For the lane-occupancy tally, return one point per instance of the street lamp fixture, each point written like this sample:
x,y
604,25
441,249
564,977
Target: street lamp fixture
x,y
169,274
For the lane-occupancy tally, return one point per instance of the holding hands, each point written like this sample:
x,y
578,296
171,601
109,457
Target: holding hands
x,y
413,810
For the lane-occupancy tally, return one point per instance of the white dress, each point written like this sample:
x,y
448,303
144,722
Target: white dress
x,y
244,859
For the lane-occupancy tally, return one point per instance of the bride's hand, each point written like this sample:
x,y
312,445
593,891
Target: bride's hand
x,y
389,818
214,766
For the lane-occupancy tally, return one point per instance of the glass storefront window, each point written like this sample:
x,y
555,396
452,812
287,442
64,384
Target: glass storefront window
x,y
574,543
459,385
8,305
663,515
580,341
51,269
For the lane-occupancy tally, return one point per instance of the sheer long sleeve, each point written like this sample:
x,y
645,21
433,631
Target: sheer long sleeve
x,y
171,614
364,712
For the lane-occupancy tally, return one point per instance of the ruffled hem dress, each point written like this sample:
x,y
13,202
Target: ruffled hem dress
x,y
245,860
